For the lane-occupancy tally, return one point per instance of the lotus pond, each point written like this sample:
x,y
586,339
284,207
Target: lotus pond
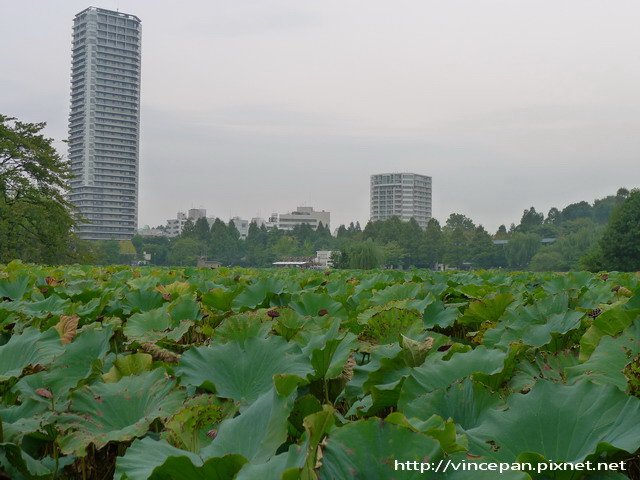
x,y
136,373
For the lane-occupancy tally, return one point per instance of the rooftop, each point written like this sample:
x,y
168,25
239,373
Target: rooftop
x,y
110,12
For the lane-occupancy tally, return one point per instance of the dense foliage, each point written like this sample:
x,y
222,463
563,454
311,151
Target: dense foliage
x,y
35,218
235,373
619,246
558,242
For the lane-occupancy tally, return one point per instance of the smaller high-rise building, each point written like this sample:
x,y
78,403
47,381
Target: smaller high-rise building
x,y
402,195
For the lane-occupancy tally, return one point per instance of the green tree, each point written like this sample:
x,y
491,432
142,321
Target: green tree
x,y
521,249
620,242
222,243
553,217
365,255
501,233
433,243
285,247
412,241
201,230
394,255
482,249
458,220
188,229
530,220
108,252
548,261
576,210
185,252
256,246
36,220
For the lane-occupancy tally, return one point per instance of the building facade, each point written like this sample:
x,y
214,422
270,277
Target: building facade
x,y
402,195
175,225
104,122
242,225
195,214
323,258
286,221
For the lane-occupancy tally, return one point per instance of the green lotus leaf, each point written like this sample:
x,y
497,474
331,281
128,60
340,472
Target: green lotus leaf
x,y
120,411
401,291
125,365
155,325
241,326
610,322
328,352
219,298
471,288
257,294
14,288
18,464
437,373
144,282
20,420
414,351
543,366
142,301
242,371
81,290
81,358
437,315
369,449
314,304
290,462
534,324
611,356
157,460
560,423
53,305
29,348
258,431
289,323
176,289
380,358
488,309
466,403
184,308
189,427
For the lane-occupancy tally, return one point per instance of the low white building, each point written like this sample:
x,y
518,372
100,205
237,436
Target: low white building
x,y
323,258
272,222
302,215
147,231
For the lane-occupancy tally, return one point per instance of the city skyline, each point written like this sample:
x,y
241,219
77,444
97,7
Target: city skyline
x,y
246,105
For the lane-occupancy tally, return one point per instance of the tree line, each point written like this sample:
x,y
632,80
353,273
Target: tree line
x,y
36,225
572,238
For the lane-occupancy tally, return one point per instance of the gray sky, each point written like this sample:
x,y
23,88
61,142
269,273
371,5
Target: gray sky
x,y
253,107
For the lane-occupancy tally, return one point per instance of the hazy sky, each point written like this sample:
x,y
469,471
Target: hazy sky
x,y
253,107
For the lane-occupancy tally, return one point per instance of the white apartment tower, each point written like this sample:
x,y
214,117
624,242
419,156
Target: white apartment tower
x,y
402,195
104,122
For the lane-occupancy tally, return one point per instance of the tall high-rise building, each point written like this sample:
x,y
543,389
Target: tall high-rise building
x,y
104,122
402,195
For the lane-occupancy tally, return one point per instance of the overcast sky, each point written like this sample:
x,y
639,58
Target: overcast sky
x,y
253,107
